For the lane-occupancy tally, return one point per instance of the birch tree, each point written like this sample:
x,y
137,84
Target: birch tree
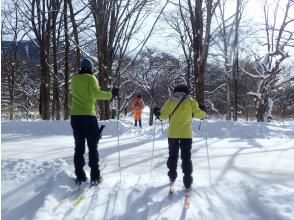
x,y
227,46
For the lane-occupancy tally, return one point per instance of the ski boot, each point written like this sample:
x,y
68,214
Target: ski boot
x,y
188,190
81,177
95,177
171,186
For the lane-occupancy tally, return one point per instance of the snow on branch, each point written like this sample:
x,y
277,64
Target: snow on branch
x,y
213,108
263,65
283,80
253,75
255,94
217,88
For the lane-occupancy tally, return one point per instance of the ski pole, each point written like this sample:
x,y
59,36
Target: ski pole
x,y
207,153
161,127
118,146
153,146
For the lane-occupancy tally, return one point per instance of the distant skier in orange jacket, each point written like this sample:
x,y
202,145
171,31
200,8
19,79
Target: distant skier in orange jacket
x,y
137,107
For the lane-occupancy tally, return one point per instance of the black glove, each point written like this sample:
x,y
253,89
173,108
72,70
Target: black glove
x,y
156,112
203,108
115,92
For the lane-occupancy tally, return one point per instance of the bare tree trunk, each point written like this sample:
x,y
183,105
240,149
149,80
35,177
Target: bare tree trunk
x,y
104,50
200,43
196,19
45,88
55,101
11,92
75,31
41,27
236,60
228,115
116,21
66,63
12,79
225,39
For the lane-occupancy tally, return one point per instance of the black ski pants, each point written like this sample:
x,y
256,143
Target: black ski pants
x,y
140,123
85,128
174,144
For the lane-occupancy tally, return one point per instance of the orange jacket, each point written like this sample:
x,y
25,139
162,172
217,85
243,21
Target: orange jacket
x,y
137,106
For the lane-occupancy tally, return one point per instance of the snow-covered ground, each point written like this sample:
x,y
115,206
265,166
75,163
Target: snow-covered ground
x,y
252,172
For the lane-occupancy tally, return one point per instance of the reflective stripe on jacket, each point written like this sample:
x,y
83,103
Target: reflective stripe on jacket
x,y
85,91
181,121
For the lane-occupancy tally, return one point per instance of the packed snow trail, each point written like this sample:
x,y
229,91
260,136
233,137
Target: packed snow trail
x,y
252,170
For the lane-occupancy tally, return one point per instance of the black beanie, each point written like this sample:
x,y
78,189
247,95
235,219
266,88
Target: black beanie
x,y
182,88
87,65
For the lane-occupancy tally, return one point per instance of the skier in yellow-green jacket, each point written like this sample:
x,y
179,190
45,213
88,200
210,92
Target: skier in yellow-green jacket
x,y
180,130
85,91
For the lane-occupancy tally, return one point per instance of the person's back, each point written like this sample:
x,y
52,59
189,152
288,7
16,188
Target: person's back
x,y
180,125
137,107
138,103
85,91
179,109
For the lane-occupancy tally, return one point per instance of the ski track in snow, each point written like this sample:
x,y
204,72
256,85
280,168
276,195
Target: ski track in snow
x,y
252,170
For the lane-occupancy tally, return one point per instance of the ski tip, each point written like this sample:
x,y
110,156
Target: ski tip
x,y
187,200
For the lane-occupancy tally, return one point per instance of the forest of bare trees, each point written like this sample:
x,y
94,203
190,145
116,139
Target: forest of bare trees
x,y
234,65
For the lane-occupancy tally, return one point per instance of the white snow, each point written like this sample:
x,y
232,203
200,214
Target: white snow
x,y
252,169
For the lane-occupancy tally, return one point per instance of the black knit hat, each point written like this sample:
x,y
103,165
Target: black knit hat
x,y
182,88
87,65
139,96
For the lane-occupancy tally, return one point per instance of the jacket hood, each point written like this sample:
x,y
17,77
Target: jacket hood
x,y
178,96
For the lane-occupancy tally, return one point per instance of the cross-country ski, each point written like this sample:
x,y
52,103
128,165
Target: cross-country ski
x,y
187,198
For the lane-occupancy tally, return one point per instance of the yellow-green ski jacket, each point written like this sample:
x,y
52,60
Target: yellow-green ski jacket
x,y
85,90
181,121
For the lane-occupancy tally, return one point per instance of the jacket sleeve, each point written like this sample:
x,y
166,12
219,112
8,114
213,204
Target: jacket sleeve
x,y
197,112
165,111
97,92
143,105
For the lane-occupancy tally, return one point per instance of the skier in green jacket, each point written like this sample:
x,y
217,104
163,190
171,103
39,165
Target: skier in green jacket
x,y
85,91
180,131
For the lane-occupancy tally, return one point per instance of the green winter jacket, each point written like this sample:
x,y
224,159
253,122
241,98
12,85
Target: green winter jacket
x,y
85,91
181,121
